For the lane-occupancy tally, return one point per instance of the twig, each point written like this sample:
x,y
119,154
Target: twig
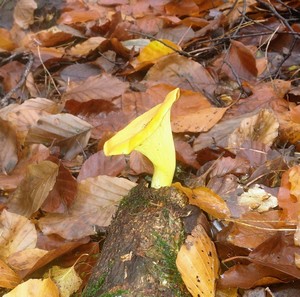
x,y
47,71
274,11
6,99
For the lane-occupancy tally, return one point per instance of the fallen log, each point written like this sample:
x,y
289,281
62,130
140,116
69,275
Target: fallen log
x,y
139,253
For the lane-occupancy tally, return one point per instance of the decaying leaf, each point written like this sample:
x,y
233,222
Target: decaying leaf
x,y
66,279
258,199
198,263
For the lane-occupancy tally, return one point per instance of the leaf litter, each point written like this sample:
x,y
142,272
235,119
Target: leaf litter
x,y
74,73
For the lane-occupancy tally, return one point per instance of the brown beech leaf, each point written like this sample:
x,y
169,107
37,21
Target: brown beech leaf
x,y
66,131
289,125
182,72
23,116
78,16
218,135
240,62
18,234
99,164
104,87
96,203
62,195
198,263
84,48
288,195
33,189
8,144
183,8
207,200
8,278
253,228
262,127
185,154
25,259
53,254
35,287
30,155
278,252
139,163
198,121
250,276
23,13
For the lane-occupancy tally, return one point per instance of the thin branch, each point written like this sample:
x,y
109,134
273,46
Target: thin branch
x,y
6,99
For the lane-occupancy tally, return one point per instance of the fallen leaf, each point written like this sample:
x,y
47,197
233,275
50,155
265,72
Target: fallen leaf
x,y
262,127
207,200
32,154
99,164
104,87
25,259
198,263
8,143
286,200
34,288
8,278
62,195
257,199
253,228
182,72
97,201
84,48
23,13
17,234
33,189
66,131
241,62
6,43
157,49
66,279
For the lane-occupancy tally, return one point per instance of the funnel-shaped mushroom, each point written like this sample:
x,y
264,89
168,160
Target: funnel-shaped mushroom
x,y
151,135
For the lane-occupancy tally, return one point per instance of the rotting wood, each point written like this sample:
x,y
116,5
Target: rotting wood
x,y
139,254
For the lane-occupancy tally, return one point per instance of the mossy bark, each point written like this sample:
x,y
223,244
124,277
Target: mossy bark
x,y
139,253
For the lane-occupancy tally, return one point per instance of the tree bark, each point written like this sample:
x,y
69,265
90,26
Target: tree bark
x,y
139,253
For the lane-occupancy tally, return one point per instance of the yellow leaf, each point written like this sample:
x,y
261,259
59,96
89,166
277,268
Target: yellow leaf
x,y
207,200
35,288
66,279
151,135
156,49
198,263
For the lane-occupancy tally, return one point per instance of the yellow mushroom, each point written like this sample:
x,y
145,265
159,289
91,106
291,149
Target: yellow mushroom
x,y
150,134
